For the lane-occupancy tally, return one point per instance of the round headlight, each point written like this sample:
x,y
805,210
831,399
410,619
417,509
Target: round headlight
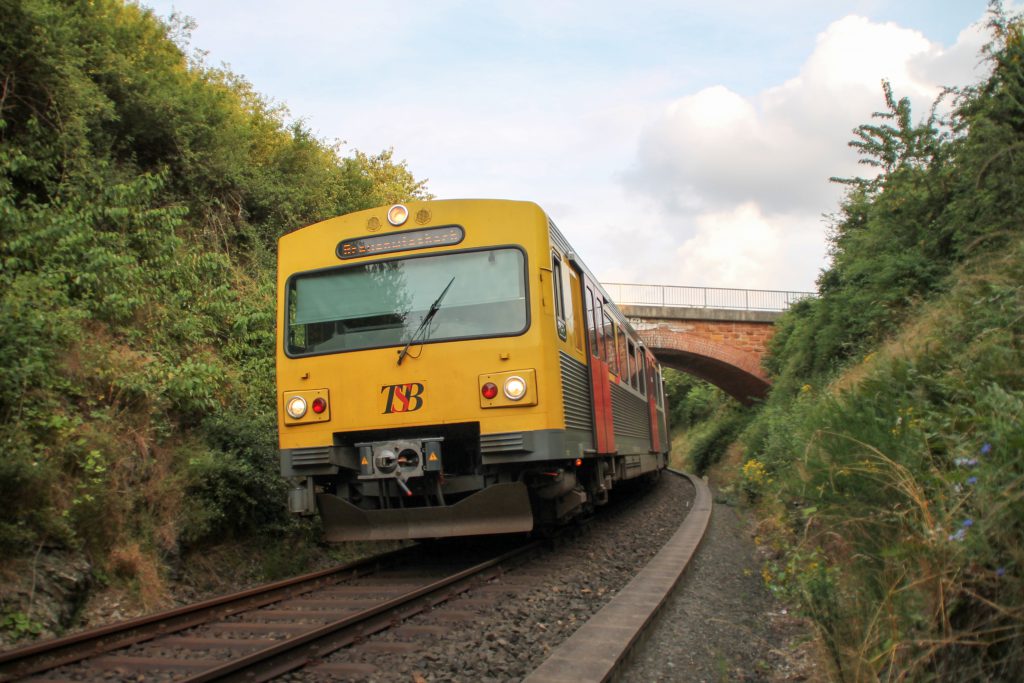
x,y
398,214
515,388
296,407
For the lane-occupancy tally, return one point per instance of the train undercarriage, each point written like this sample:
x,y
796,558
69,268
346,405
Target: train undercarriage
x,y
421,482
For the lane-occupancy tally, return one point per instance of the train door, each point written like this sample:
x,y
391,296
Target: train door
x,y
604,434
654,390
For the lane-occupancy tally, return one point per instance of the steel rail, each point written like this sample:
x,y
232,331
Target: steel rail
x,y
296,652
50,654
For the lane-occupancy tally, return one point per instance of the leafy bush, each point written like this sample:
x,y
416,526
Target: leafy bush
x,y
715,436
141,196
894,436
691,400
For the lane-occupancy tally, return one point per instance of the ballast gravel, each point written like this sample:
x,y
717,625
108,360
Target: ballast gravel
x,y
720,624
532,609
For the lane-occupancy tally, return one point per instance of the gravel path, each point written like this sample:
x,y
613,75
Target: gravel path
x,y
721,624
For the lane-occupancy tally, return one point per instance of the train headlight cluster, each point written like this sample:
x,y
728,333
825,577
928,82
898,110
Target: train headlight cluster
x,y
508,389
306,406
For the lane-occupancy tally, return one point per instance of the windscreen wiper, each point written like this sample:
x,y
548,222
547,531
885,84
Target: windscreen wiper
x,y
434,307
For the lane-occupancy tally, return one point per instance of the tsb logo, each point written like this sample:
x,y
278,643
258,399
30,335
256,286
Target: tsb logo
x,y
402,398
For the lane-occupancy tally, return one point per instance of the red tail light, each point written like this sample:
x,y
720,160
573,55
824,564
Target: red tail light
x,y
489,390
319,405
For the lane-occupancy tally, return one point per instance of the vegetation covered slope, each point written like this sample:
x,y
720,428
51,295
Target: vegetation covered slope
x,y
141,195
888,462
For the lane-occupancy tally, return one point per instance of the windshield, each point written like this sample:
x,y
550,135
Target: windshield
x,y
384,303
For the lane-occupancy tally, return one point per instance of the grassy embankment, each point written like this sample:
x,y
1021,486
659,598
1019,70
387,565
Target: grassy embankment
x,y
886,469
141,195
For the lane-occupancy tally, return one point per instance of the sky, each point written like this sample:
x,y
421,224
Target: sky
x,y
675,142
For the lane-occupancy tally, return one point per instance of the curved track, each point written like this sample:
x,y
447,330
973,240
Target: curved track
x,y
296,624
269,630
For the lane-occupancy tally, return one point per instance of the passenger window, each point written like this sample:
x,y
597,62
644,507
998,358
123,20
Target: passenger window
x,y
556,280
627,366
611,356
593,328
622,351
638,358
573,317
633,369
643,373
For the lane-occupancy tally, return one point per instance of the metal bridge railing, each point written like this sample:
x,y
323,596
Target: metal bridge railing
x,y
703,297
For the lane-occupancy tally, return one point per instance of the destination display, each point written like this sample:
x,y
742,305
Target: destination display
x,y
400,241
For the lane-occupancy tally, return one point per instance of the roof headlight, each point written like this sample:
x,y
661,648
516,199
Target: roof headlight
x,y
515,388
296,407
397,215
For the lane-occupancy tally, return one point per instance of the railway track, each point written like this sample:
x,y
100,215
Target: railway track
x,y
264,632
372,618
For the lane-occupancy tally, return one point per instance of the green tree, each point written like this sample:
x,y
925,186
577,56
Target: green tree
x,y
141,196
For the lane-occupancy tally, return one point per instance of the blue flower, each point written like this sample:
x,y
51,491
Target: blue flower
x,y
1000,571
986,448
971,481
967,523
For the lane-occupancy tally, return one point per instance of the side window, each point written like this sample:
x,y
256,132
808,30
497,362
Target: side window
x,y
592,327
559,295
574,312
634,371
623,354
556,280
609,341
638,379
627,368
643,373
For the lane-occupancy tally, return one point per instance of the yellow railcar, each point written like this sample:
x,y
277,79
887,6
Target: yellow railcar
x,y
450,368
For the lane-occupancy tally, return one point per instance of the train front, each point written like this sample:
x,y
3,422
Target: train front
x,y
409,353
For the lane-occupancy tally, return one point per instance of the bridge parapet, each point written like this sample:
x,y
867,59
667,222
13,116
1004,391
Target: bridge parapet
x,y
722,298
639,315
719,335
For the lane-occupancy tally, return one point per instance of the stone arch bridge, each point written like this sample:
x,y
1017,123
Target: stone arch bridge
x,y
718,335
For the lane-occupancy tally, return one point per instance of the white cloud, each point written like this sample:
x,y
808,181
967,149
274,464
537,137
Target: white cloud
x,y
656,133
744,248
751,174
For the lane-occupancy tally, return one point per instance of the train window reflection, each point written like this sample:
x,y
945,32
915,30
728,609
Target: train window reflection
x,y
382,304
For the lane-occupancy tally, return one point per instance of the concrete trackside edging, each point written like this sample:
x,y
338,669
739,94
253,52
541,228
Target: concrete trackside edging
x,y
592,653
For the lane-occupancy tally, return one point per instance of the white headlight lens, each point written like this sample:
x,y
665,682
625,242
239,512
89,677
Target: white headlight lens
x,y
515,388
398,214
296,407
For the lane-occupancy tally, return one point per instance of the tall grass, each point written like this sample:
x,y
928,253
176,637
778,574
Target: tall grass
x,y
897,493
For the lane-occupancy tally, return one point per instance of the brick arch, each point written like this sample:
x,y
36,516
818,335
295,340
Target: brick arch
x,y
734,371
